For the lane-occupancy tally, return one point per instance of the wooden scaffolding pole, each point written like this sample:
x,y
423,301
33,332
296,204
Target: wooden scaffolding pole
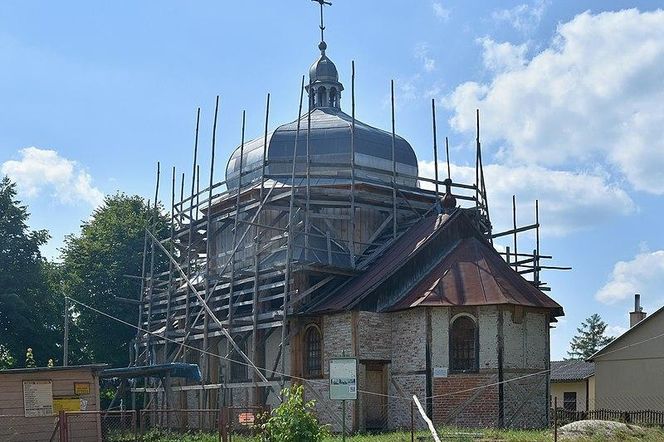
x,y
351,244
171,246
231,288
191,222
394,167
155,217
435,147
255,351
514,235
208,251
289,245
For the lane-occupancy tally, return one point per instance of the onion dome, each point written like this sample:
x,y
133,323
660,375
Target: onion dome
x,y
328,142
329,152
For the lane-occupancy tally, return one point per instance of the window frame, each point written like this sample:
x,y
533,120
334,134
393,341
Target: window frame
x,y
570,401
476,344
306,352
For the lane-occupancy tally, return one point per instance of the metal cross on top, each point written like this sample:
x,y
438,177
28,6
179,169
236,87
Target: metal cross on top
x,y
322,24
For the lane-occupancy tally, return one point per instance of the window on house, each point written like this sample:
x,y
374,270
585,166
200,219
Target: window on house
x,y
569,400
239,369
312,353
463,345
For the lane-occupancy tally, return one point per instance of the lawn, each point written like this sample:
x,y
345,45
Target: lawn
x,y
446,434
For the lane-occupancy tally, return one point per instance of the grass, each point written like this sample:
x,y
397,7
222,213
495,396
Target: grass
x,y
446,434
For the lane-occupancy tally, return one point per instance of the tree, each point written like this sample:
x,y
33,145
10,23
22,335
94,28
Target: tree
x,y
294,420
96,266
6,358
589,339
29,316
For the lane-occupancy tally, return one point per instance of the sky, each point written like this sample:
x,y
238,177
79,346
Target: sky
x,y
93,94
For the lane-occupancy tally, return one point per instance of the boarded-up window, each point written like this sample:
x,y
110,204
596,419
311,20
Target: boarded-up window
x,y
463,345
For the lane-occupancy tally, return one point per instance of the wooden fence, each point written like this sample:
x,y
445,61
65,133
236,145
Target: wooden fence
x,y
640,417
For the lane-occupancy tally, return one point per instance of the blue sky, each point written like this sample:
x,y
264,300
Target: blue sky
x,y
94,94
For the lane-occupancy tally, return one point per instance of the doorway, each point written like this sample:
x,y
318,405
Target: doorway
x,y
375,405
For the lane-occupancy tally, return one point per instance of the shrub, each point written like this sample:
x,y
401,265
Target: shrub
x,y
293,420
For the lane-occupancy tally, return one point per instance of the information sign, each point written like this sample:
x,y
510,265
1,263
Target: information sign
x,y
81,388
66,403
38,398
343,379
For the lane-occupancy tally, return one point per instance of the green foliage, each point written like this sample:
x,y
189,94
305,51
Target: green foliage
x,y
293,420
589,339
6,358
29,311
96,264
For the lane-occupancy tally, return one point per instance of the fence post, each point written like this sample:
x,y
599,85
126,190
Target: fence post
x,y
134,425
141,423
412,421
555,419
62,417
223,426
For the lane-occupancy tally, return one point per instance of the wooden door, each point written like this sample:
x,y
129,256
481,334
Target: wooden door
x,y
375,405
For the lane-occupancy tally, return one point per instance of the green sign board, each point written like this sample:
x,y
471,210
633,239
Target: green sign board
x,y
343,379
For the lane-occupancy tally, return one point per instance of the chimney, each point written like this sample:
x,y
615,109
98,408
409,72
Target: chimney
x,y
638,314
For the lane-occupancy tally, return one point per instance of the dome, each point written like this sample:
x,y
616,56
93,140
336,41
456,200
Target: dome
x,y
324,70
329,152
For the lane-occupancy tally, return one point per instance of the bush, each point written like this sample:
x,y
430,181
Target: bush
x,y
293,420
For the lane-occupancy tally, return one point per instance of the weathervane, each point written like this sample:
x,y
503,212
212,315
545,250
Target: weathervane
x,y
322,24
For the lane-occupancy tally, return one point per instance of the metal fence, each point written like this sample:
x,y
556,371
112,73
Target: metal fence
x,y
143,426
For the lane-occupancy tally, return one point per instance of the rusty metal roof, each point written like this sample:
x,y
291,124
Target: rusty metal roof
x,y
407,245
440,261
474,274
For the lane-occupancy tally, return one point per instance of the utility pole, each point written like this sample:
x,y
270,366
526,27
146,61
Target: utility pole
x,y
65,343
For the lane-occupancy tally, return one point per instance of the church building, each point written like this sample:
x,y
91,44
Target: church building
x,y
324,242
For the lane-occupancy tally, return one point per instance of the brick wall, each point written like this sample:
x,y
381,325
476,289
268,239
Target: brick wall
x,y
374,336
476,408
409,340
526,402
399,409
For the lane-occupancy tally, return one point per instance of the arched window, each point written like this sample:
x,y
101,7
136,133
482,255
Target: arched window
x,y
333,97
322,96
463,345
239,369
313,352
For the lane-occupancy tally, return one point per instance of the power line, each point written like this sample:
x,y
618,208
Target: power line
x,y
322,382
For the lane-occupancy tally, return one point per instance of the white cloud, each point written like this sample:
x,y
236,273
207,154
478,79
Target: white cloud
x,y
41,170
422,54
644,274
569,201
524,17
594,94
440,12
501,57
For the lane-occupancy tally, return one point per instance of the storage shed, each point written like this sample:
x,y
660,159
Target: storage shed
x,y
32,397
